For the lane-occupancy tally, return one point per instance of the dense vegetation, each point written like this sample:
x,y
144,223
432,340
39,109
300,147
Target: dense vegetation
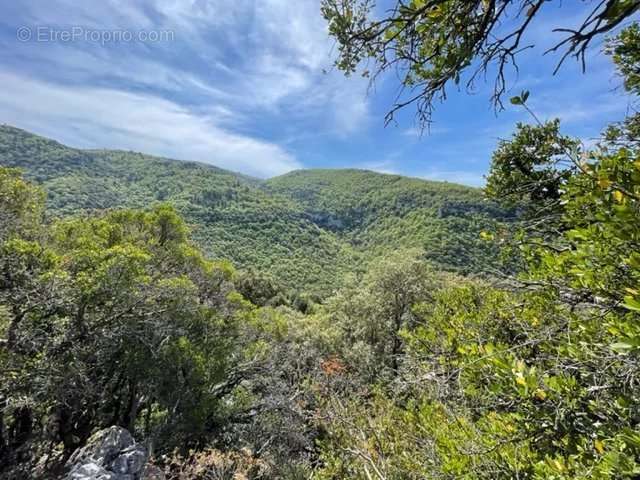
x,y
306,229
435,45
406,371
380,213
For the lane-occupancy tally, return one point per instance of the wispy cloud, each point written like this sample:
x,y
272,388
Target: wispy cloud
x,y
387,165
241,85
474,179
232,71
416,132
97,118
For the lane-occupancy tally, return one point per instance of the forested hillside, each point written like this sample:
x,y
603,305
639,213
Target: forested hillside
x,y
380,213
306,229
121,323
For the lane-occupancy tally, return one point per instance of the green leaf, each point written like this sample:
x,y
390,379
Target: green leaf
x,y
631,303
622,347
520,99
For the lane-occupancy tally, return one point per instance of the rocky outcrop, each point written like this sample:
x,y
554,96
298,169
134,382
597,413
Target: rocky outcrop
x,y
110,454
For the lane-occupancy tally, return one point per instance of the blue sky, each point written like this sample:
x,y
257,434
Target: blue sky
x,y
241,85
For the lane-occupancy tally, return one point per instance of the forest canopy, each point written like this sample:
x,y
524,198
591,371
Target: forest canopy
x,y
405,370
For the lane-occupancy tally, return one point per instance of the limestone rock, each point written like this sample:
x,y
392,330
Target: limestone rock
x,y
110,454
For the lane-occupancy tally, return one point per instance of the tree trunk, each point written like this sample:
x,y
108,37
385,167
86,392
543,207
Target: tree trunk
x,y
131,413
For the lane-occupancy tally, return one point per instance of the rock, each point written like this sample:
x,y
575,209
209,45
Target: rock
x,y
110,454
90,471
132,459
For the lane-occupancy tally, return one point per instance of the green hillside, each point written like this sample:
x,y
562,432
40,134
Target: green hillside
x,y
377,212
307,228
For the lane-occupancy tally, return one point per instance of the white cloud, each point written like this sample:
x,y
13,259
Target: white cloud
x,y
241,61
283,50
387,165
600,109
214,94
107,14
474,179
92,117
429,130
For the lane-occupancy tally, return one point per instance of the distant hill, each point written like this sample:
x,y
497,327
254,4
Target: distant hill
x,y
377,212
307,228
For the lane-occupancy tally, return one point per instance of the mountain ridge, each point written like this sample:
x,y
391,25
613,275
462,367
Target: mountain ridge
x,y
374,172
5,128
306,227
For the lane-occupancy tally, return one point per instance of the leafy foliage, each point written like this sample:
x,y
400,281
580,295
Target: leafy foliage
x,y
378,214
529,170
21,205
624,51
405,371
111,317
305,229
432,44
534,381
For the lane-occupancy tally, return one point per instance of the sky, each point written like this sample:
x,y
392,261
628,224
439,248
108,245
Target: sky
x,y
249,86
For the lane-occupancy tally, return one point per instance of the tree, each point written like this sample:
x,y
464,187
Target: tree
x,y
625,52
373,311
114,320
431,44
536,382
260,289
580,207
529,171
21,205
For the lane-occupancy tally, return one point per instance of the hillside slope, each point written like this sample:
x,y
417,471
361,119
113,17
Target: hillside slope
x,y
378,212
306,228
